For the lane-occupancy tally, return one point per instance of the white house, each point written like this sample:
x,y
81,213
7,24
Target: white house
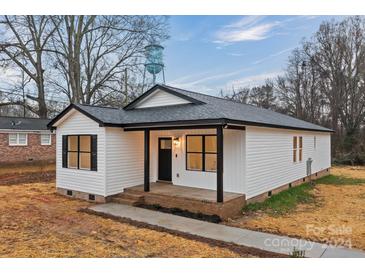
x,y
187,139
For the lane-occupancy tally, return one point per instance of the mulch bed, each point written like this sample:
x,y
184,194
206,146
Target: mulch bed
x,y
28,177
241,250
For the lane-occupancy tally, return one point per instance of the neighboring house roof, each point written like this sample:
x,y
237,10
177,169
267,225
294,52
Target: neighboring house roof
x,y
202,109
19,123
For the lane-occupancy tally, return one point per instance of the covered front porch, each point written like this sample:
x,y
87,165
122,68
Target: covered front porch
x,y
201,162
196,200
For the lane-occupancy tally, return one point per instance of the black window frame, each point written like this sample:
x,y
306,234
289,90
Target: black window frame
x,y
92,153
203,152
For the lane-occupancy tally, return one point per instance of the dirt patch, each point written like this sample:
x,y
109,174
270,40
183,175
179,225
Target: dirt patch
x,y
356,172
29,177
184,213
26,168
36,222
337,217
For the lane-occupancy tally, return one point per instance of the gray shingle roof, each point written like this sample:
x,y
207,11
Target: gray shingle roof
x,y
19,123
210,108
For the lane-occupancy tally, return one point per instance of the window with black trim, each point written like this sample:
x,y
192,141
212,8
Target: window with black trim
x,y
201,153
79,151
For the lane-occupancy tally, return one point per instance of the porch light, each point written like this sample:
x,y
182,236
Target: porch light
x,y
177,141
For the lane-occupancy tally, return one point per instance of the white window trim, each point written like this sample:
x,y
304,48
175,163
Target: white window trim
x,y
50,139
17,139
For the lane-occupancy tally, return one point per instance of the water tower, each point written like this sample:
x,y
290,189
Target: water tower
x,y
154,63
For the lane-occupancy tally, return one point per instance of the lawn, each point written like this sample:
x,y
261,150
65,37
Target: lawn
x,y
333,211
37,222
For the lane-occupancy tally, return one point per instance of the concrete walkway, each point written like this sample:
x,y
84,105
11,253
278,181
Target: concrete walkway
x,y
244,237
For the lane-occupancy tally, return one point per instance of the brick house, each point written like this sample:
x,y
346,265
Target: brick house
x,y
24,140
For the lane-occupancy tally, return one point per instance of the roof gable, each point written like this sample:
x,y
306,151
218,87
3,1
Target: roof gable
x,y
159,96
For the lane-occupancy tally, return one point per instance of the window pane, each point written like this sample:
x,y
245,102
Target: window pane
x,y
165,143
22,137
300,142
211,162
45,139
194,161
85,160
12,139
194,143
300,155
211,144
85,143
294,155
72,143
295,142
72,159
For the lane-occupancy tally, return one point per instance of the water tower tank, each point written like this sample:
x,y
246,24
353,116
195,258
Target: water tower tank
x,y
154,59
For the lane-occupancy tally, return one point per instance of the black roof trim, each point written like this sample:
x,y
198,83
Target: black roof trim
x,y
165,88
67,109
171,124
222,121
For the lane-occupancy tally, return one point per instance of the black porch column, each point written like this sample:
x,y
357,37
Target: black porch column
x,y
220,164
146,160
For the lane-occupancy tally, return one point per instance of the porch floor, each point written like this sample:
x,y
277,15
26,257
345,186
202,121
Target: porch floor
x,y
192,199
201,194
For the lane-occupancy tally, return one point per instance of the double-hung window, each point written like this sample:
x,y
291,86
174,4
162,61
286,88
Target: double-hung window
x,y
46,139
297,148
79,151
201,153
18,139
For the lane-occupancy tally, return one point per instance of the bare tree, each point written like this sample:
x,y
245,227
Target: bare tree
x,y
338,52
264,96
22,44
92,53
241,95
298,89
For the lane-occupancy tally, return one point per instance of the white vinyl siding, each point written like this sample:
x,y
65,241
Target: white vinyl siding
x,y
18,139
161,98
88,181
46,139
234,162
124,159
269,157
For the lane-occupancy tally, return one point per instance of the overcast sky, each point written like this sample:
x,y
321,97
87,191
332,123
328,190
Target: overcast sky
x,y
209,53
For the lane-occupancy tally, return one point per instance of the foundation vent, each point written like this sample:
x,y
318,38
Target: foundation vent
x,y
69,193
91,197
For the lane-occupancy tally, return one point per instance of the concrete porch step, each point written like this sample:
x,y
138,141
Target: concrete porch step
x,y
128,199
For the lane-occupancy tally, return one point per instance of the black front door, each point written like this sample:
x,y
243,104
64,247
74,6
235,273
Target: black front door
x,y
164,159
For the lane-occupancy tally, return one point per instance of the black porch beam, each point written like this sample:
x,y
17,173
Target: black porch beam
x,y
235,127
173,127
220,164
146,160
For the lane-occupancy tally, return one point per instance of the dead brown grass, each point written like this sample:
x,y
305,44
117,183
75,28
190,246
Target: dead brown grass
x,y
36,222
338,216
23,169
356,172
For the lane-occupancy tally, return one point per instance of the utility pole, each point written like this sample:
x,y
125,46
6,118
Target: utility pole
x,y
126,85
23,92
